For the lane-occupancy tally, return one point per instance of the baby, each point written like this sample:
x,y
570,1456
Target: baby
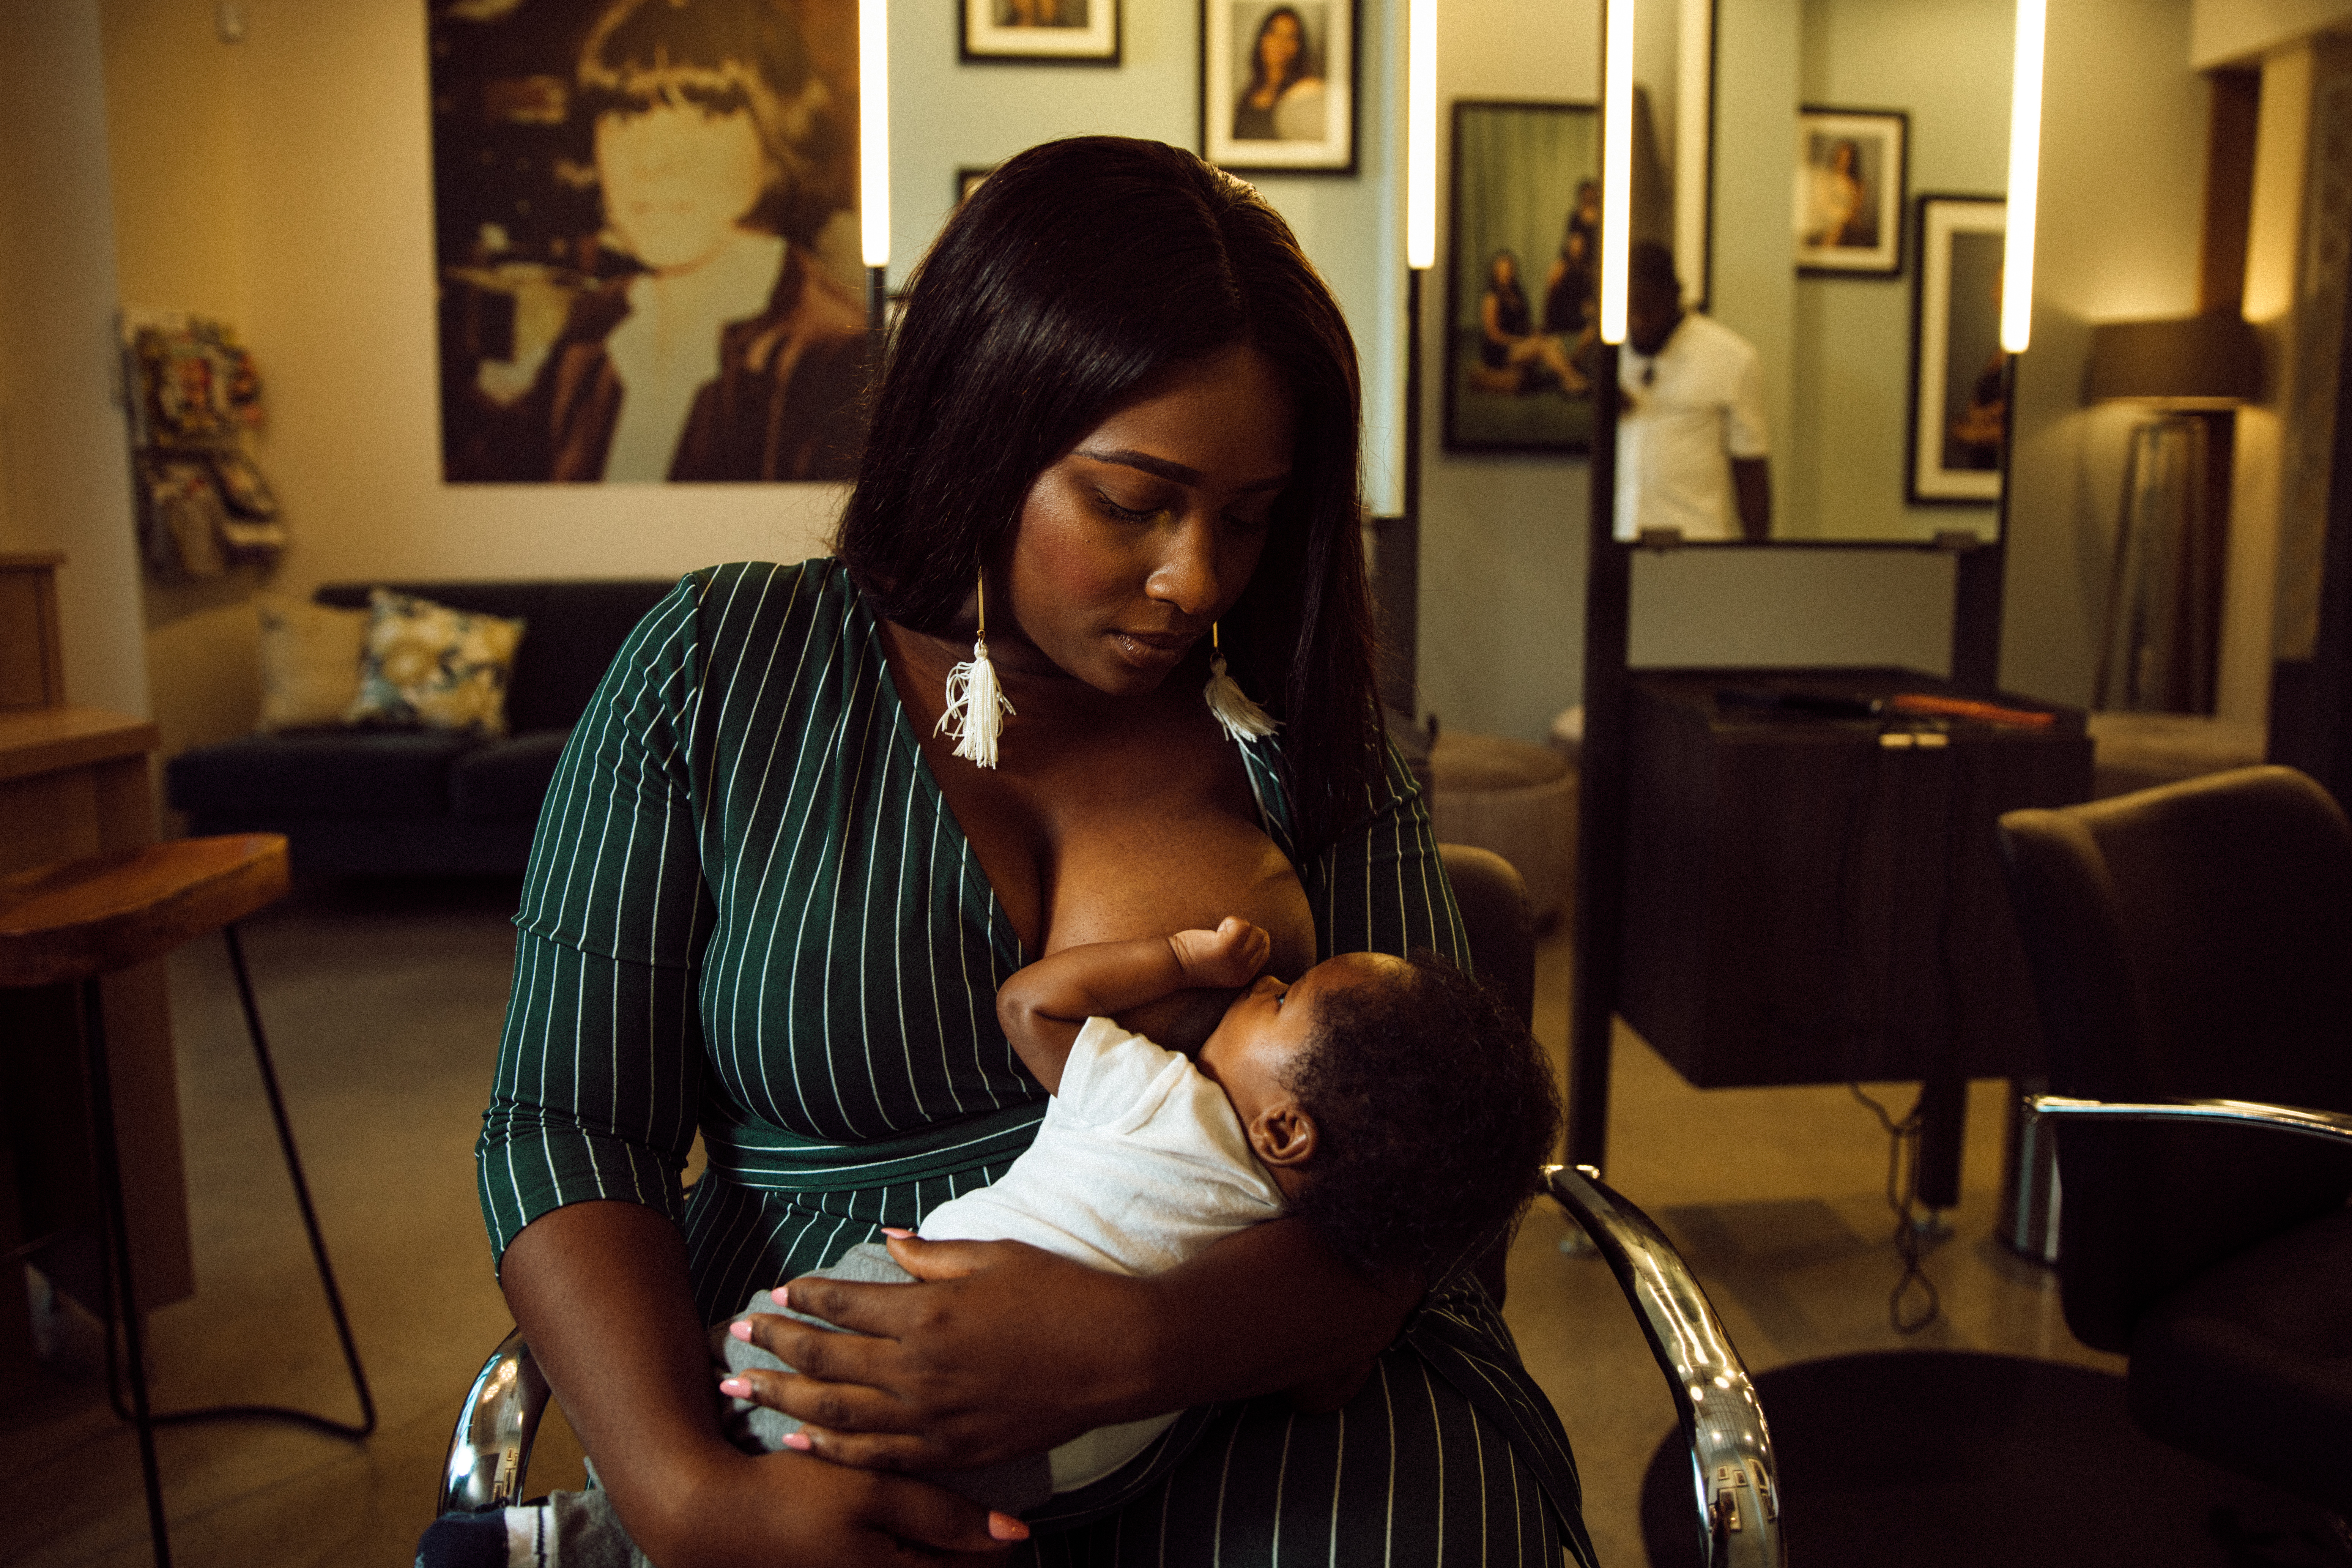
x,y
1391,1104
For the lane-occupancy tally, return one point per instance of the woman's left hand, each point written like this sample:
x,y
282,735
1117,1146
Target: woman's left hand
x,y
1003,1350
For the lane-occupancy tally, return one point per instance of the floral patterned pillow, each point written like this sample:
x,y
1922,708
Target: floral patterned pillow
x,y
429,666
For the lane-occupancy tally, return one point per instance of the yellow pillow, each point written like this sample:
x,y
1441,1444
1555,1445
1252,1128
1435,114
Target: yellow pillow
x,y
309,663
433,668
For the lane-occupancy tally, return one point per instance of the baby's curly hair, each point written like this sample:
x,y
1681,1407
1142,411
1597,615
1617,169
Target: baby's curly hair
x,y
1432,1106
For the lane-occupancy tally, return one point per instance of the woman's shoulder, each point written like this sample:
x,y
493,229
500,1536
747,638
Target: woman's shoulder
x,y
739,606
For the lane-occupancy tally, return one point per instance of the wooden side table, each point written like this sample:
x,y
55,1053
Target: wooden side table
x,y
76,781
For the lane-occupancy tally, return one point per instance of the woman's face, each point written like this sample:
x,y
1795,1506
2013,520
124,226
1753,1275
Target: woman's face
x,y
1504,270
1147,531
1277,46
678,179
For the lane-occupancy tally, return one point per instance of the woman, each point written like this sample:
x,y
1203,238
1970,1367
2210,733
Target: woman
x,y
771,899
1282,73
1510,347
1838,210
728,353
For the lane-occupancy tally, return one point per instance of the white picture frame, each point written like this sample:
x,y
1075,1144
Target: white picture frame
x,y
1305,124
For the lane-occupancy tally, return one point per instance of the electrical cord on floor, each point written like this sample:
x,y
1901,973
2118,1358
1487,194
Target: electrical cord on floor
x,y
1911,1237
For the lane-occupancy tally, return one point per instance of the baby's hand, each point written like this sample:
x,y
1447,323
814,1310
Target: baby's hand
x,y
1224,958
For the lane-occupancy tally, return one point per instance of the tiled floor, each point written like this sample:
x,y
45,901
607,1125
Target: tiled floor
x,y
383,1008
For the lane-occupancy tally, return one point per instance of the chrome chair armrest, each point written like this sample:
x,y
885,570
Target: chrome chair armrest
x,y
2333,1125
490,1448
1737,1482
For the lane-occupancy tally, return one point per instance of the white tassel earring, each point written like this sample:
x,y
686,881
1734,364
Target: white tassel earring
x,y
976,702
1242,718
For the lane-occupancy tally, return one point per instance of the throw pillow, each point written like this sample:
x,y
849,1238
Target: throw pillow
x,y
309,663
434,667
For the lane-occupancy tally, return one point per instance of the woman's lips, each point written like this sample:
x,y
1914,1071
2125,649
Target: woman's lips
x,y
1154,650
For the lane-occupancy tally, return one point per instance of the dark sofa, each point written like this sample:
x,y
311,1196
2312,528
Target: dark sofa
x,y
414,801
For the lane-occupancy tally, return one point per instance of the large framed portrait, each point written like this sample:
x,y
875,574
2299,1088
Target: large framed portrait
x,y
1959,403
1849,190
1522,277
1278,84
1040,32
585,152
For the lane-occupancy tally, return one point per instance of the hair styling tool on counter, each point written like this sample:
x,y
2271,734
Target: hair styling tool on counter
x,y
1927,703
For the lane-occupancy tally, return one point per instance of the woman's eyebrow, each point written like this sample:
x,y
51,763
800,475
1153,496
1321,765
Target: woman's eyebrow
x,y
1180,473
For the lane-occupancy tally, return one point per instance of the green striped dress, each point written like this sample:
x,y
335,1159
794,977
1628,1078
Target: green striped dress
x,y
751,911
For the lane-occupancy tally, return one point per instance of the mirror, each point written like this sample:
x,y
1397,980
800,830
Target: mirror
x,y
1796,221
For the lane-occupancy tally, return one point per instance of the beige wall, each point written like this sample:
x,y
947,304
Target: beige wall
x,y
284,181
2123,155
63,479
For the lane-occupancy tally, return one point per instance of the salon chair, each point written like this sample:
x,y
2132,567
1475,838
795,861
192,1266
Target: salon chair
x,y
1736,1485
2191,949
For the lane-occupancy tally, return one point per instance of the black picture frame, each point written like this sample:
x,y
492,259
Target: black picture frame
x,y
1059,33
1309,126
1852,170
1959,385
968,177
1518,170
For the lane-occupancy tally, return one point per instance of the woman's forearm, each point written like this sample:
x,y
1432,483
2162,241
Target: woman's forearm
x,y
1007,1350
600,1290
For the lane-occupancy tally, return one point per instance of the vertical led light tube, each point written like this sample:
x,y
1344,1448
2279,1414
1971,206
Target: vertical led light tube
x,y
2024,177
1616,165
1421,135
873,129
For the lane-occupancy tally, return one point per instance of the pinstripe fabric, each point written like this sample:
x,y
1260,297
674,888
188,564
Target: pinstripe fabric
x,y
749,909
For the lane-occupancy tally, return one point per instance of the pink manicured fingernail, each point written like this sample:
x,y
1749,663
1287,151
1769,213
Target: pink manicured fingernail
x,y
734,1388
1004,1527
798,1442
741,1329
893,1231
782,1298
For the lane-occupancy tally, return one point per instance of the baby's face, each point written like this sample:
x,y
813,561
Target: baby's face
x,y
1270,1026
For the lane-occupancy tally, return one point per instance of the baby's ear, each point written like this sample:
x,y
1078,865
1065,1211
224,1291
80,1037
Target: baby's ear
x,y
1283,1135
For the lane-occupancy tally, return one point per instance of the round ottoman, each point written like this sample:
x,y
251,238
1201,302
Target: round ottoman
x,y
1515,799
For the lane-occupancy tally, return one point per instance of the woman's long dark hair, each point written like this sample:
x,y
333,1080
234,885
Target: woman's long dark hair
x,y
1302,64
1074,277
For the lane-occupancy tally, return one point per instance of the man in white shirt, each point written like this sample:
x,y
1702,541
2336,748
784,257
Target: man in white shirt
x,y
1690,434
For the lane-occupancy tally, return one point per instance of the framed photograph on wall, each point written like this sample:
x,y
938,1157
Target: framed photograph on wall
x,y
1849,194
1958,406
570,181
1040,32
1278,84
1521,277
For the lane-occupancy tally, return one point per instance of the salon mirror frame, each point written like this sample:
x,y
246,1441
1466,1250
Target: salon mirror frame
x,y
1728,207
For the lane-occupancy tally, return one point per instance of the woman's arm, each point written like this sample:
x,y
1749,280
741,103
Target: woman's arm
x,y
1490,320
1007,1350
600,1290
590,1116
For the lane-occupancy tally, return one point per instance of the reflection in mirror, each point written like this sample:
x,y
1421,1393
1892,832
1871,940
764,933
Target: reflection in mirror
x,y
1865,444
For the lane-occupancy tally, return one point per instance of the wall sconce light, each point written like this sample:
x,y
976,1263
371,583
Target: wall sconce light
x,y
1616,165
2162,639
1421,136
2024,176
873,153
